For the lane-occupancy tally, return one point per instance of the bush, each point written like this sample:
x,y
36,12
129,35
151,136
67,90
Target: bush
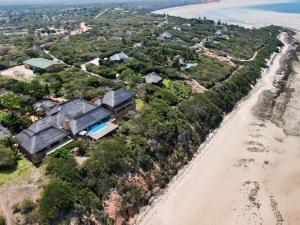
x,y
57,200
2,220
25,206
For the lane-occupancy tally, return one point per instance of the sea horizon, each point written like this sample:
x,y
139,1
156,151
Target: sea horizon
x,y
283,7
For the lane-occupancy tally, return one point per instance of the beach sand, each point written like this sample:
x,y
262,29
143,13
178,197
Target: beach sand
x,y
247,173
236,12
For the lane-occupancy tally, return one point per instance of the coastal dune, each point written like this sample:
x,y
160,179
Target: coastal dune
x,y
248,171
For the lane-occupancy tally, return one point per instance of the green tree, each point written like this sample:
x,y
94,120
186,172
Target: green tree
x,y
8,159
57,200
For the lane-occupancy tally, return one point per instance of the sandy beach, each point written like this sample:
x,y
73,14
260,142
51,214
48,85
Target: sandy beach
x,y
236,12
248,172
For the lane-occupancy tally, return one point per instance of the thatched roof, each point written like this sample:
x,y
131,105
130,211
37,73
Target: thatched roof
x,y
117,97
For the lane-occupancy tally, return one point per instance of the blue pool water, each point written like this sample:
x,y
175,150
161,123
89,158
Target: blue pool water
x,y
288,7
97,128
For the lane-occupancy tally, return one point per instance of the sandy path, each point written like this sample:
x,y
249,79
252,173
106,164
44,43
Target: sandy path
x,y
248,173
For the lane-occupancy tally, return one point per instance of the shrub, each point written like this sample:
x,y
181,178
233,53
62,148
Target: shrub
x,y
25,206
8,159
2,220
57,200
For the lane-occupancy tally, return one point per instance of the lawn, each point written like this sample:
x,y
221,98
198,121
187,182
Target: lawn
x,y
139,104
23,169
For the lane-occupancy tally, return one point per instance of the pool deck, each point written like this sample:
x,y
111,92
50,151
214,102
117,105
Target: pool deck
x,y
111,127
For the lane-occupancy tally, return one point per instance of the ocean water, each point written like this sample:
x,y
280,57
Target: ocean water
x,y
288,7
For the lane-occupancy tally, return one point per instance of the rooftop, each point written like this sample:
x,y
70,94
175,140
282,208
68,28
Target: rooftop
x,y
118,57
41,63
153,78
117,96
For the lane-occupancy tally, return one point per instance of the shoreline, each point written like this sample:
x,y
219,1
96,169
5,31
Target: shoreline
x,y
236,12
163,207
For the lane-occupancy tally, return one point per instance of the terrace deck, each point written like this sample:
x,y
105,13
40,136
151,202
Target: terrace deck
x,y
111,127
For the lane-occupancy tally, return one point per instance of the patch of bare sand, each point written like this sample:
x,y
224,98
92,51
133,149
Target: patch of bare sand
x,y
242,175
16,190
18,72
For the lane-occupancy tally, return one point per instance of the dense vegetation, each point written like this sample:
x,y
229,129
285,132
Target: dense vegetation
x,y
150,148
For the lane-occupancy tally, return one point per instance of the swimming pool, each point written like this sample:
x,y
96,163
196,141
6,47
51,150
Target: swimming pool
x,y
97,128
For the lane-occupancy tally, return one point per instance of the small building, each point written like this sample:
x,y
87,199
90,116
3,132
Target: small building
x,y
45,105
165,36
4,132
119,57
221,34
176,28
137,45
208,41
114,38
153,78
119,101
42,64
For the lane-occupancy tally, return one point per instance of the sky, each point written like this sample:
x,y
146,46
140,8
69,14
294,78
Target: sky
x,y
12,2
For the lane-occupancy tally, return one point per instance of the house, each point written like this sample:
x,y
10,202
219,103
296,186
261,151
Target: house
x,y
119,101
4,132
62,123
42,64
41,137
119,57
153,78
186,25
44,105
114,38
208,41
165,36
137,45
221,34
176,28
189,65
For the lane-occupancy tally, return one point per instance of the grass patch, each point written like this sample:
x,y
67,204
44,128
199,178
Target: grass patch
x,y
23,169
166,83
139,104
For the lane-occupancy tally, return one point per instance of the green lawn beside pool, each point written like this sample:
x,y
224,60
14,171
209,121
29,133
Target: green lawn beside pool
x,y
23,169
139,104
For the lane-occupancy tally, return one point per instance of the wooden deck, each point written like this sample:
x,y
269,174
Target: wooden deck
x,y
111,127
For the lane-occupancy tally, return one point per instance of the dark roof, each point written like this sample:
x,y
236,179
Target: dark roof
x,y
45,104
40,135
73,108
88,119
153,78
80,113
4,132
117,97
119,56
